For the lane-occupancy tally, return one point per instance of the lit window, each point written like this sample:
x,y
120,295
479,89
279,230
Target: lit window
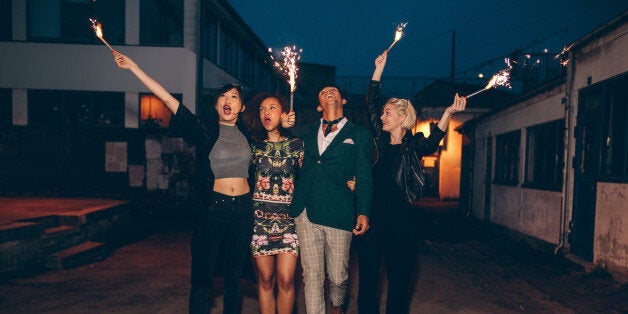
x,y
153,112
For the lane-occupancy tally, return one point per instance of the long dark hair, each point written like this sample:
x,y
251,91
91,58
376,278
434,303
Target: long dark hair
x,y
252,120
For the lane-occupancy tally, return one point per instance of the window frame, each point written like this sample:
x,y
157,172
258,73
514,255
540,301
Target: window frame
x,y
113,28
6,20
61,113
163,26
543,140
507,158
6,106
613,166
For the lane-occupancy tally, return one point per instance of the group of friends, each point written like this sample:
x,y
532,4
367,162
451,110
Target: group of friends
x,y
305,198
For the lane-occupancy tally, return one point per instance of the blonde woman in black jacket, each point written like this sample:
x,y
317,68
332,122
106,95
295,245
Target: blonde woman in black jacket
x,y
397,183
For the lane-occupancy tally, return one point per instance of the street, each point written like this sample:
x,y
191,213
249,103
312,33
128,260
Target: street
x,y
464,267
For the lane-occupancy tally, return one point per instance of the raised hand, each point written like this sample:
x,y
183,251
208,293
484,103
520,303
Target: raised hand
x,y
123,61
458,105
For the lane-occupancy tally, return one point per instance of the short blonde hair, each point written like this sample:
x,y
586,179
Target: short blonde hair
x,y
404,108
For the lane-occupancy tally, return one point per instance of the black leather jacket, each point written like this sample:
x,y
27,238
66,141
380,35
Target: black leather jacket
x,y
407,167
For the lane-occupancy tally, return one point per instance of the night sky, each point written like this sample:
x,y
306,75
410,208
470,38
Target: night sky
x,y
350,34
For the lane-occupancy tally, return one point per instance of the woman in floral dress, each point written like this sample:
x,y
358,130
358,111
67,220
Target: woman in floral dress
x,y
276,158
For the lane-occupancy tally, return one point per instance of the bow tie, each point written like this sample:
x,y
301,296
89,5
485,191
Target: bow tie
x,y
329,126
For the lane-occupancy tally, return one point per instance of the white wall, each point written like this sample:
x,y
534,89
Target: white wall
x,y
529,211
91,68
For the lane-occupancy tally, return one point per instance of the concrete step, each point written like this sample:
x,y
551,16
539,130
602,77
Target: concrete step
x,y
78,255
60,230
20,230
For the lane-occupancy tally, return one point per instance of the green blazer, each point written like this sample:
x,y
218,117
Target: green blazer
x,y
322,183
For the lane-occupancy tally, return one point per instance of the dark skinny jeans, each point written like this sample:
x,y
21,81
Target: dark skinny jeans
x,y
228,219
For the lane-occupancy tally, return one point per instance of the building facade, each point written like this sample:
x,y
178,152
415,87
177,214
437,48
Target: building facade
x,y
553,164
72,123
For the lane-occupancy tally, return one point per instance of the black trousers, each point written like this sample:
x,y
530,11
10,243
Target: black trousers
x,y
393,234
228,219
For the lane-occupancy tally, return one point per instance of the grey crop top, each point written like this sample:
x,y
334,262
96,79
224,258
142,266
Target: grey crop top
x,y
231,155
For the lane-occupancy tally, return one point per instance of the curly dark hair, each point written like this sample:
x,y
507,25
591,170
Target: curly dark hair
x,y
252,120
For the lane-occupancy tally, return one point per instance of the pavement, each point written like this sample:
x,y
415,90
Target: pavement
x,y
464,266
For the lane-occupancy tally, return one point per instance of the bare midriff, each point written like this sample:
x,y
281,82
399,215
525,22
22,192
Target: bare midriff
x,y
231,186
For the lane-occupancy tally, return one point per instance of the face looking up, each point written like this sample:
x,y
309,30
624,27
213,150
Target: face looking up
x,y
229,105
330,96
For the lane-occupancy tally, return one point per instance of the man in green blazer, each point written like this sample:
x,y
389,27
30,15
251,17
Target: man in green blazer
x,y
326,211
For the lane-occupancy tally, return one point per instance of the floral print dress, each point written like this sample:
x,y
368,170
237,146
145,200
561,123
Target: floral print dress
x,y
276,165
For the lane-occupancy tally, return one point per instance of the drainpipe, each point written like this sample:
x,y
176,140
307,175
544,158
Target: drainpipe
x,y
566,192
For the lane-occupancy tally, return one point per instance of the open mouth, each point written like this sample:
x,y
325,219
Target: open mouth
x,y
266,120
226,109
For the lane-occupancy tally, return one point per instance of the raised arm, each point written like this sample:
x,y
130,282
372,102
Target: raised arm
x,y
127,63
380,64
373,105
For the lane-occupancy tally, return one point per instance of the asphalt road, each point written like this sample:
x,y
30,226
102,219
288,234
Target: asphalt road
x,y
464,267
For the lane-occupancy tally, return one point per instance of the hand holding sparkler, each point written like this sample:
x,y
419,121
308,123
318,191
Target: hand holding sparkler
x,y
501,78
288,67
458,105
97,27
380,64
123,61
398,34
288,119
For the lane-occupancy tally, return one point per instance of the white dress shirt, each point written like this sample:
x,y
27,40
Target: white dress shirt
x,y
324,141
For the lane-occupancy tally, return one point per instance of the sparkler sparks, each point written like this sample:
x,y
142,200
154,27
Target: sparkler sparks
x,y
501,78
97,27
288,66
398,34
562,56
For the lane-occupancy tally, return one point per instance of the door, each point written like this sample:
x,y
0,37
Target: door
x,y
488,177
586,166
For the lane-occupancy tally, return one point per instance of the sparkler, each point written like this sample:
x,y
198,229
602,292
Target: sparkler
x,y
288,66
398,34
97,27
562,56
501,78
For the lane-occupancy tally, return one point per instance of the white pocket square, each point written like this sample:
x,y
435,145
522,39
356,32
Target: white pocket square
x,y
348,141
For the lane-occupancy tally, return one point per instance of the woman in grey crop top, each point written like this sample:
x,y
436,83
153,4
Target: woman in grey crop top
x,y
224,211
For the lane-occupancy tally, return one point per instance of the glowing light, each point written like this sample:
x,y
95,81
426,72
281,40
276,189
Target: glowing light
x,y
480,75
97,27
501,78
398,34
288,66
563,56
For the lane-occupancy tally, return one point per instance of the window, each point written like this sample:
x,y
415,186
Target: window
x,y
6,21
248,68
153,111
6,106
229,53
68,20
507,158
544,156
615,129
51,108
209,37
161,22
